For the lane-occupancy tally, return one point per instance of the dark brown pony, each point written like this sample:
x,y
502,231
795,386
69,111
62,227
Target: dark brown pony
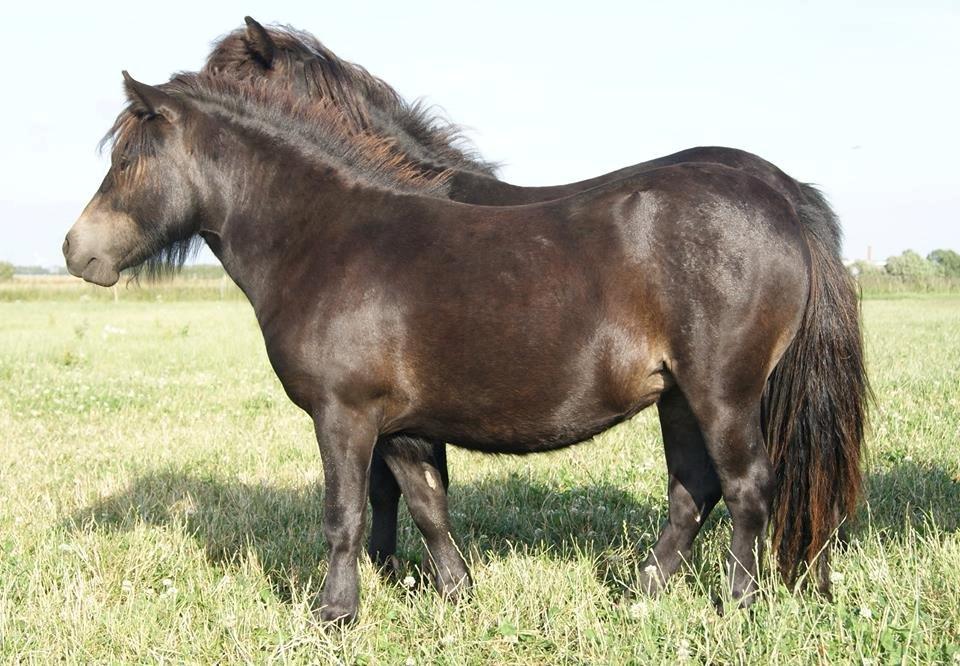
x,y
301,65
388,312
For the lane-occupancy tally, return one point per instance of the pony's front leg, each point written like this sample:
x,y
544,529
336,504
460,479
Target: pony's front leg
x,y
346,438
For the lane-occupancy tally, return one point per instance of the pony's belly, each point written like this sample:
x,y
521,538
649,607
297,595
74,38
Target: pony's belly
x,y
531,427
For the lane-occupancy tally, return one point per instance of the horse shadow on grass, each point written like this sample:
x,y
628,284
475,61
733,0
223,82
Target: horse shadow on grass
x,y
911,497
496,517
282,527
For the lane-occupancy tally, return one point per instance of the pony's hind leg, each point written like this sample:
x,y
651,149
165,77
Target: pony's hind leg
x,y
384,503
693,490
440,458
735,444
422,478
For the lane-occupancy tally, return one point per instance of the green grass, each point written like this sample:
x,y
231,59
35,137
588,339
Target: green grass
x,y
160,501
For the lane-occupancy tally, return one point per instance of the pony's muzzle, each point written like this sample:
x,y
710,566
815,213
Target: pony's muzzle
x,y
75,263
85,263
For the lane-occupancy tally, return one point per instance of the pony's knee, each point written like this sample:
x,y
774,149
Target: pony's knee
x,y
750,495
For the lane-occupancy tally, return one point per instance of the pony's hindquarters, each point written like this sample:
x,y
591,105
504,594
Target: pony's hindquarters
x,y
735,273
815,407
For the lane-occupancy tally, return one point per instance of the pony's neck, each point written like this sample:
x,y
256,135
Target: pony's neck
x,y
264,209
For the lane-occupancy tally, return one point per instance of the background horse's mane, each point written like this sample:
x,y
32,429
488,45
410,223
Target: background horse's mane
x,y
300,58
317,130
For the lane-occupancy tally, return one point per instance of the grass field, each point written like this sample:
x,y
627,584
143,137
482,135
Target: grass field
x,y
160,501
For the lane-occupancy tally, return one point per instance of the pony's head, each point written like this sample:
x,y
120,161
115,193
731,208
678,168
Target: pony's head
x,y
145,211
177,148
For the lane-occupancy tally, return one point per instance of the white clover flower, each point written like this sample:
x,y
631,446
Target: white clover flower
x,y
639,610
409,582
866,612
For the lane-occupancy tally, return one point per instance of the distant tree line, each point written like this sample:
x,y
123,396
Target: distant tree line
x,y
910,264
39,270
909,272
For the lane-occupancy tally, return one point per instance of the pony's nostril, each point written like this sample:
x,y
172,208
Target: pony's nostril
x,y
66,245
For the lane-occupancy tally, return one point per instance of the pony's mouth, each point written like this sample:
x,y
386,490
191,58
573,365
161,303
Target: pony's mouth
x,y
100,273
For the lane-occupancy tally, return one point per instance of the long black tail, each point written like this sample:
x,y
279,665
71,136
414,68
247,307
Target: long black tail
x,y
815,406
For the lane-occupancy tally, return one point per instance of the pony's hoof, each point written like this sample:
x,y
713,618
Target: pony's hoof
x,y
337,616
651,581
746,598
336,607
389,568
454,589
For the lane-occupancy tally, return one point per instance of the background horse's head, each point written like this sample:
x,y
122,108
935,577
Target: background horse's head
x,y
145,209
299,63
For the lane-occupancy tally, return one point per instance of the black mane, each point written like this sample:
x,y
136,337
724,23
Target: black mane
x,y
420,132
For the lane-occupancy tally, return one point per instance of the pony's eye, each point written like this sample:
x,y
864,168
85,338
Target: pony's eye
x,y
122,164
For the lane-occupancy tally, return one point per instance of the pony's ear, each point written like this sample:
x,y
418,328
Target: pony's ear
x,y
259,41
150,100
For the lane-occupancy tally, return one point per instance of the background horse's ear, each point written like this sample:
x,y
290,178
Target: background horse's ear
x,y
259,41
149,100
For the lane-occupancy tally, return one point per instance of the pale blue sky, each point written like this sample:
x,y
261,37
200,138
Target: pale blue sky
x,y
859,98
